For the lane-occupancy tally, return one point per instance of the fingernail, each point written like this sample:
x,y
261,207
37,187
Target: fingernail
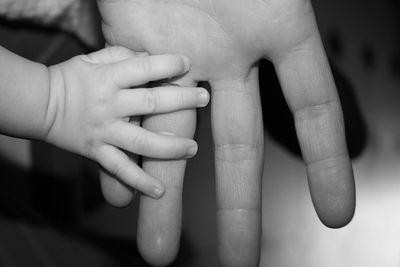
x,y
158,192
186,63
204,98
192,151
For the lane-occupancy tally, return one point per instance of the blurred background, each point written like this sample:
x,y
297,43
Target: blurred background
x,y
52,212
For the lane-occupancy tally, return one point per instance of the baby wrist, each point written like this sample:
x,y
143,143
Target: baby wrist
x,y
55,103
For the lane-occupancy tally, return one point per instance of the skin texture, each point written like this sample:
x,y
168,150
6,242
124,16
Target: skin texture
x,y
83,105
224,39
94,122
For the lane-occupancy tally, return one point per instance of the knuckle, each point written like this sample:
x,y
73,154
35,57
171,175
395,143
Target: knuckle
x,y
150,101
112,77
111,53
139,144
118,169
183,99
316,110
236,152
144,64
119,52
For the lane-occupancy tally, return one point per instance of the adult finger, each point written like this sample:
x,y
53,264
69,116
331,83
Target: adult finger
x,y
310,91
140,70
140,141
134,102
159,224
118,164
238,139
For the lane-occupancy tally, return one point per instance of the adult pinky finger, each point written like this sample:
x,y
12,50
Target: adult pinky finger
x,y
118,164
310,91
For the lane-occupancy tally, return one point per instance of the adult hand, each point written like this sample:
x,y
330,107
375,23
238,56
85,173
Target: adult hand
x,y
224,40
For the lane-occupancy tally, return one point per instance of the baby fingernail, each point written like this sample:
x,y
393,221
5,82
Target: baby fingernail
x,y
192,151
204,98
186,63
158,192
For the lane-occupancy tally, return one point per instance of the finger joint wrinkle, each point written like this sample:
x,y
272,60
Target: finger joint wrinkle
x,y
240,210
314,111
237,152
327,162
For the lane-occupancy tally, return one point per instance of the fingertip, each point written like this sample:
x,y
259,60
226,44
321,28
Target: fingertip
x,y
333,196
170,65
336,216
192,151
189,149
204,97
153,187
157,192
336,222
186,63
157,243
156,257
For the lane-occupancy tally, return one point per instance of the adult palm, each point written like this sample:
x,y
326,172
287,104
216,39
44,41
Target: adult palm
x,y
224,40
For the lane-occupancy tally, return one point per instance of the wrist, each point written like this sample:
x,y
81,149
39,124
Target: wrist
x,y
24,90
54,103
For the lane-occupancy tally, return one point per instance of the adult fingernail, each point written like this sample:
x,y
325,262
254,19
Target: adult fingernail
x,y
186,63
158,192
204,98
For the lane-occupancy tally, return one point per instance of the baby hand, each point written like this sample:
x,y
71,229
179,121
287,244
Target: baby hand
x,y
91,102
